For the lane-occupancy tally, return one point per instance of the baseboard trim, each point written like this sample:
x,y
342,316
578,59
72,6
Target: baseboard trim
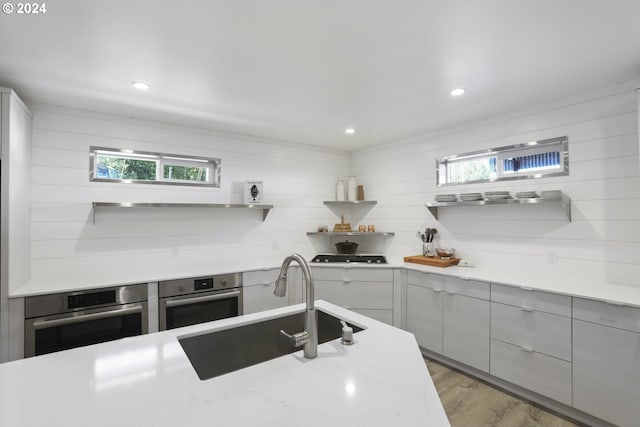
x,y
535,398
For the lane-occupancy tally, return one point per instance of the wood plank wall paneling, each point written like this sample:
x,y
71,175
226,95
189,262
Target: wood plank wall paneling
x,y
126,245
602,242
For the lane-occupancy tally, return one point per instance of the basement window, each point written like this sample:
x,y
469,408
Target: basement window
x,y
141,167
534,159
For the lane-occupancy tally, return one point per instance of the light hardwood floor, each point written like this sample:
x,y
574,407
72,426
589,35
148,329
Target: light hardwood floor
x,y
472,403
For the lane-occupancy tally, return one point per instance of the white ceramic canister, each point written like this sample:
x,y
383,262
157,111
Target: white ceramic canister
x,y
351,189
340,191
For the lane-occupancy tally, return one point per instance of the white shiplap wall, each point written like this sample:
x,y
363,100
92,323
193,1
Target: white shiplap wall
x,y
601,244
149,244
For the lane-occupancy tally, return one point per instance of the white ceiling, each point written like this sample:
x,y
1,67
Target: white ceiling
x,y
303,71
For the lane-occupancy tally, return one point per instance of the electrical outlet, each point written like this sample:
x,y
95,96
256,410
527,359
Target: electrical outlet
x,y
552,257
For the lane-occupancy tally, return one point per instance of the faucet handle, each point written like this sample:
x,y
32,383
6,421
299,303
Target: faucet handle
x,y
298,340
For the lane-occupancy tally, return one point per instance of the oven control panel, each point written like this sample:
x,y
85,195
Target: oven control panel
x,y
196,285
202,284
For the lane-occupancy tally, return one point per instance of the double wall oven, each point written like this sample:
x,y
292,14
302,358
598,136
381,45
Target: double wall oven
x,y
67,320
185,302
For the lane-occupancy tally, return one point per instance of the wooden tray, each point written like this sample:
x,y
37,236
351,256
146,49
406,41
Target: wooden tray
x,y
433,261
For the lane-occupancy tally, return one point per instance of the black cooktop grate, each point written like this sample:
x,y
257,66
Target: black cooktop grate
x,y
367,259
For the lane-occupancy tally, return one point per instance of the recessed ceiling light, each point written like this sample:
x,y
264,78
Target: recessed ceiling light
x,y
140,85
349,131
457,91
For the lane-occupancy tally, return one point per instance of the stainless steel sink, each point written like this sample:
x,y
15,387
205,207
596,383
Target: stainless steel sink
x,y
216,353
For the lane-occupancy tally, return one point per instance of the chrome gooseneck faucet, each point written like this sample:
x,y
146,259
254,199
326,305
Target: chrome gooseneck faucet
x,y
309,337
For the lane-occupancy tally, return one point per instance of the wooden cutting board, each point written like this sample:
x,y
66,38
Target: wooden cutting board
x,y
433,261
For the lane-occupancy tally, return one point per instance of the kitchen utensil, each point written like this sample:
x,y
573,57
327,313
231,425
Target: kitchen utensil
x,y
527,195
340,191
346,247
433,261
446,198
497,195
445,253
467,197
343,226
351,189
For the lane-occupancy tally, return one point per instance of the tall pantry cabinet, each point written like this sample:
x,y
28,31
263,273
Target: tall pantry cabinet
x,y
15,208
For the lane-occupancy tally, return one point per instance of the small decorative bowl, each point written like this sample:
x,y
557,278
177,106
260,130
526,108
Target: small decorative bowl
x,y
445,253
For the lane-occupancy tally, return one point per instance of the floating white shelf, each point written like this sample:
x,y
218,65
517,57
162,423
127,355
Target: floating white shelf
x,y
562,200
124,205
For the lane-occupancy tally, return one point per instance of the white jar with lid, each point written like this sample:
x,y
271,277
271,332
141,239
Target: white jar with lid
x,y
351,190
340,191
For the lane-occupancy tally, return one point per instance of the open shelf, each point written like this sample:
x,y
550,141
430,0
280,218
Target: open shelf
x,y
563,201
124,205
350,233
350,202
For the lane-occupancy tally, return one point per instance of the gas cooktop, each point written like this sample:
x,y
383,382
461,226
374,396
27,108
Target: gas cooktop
x,y
367,259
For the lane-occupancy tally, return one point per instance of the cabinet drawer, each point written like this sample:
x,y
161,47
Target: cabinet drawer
x,y
353,295
534,371
470,288
260,277
529,298
426,280
607,314
542,332
350,274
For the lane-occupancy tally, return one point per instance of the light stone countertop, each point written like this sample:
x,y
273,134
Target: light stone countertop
x,y
560,284
148,381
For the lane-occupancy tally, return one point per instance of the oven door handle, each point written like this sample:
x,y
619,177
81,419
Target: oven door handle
x,y
205,298
41,324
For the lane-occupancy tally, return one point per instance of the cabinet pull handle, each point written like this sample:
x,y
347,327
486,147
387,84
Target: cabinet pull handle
x,y
527,309
527,349
437,290
524,288
450,293
345,281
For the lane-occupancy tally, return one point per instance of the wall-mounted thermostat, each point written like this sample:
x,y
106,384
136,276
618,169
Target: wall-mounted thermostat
x,y
253,192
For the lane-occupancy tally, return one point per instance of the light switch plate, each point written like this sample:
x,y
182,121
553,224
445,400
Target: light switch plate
x,y
465,263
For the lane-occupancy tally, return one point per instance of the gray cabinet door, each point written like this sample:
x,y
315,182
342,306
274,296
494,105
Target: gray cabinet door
x,y
425,316
606,372
466,330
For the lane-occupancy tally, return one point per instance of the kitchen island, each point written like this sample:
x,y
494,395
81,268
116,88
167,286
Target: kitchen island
x,y
148,381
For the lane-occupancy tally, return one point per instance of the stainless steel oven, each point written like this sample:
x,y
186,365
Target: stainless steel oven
x,y
73,319
187,302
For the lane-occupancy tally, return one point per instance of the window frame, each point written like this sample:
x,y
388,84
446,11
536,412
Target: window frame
x,y
507,152
212,164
